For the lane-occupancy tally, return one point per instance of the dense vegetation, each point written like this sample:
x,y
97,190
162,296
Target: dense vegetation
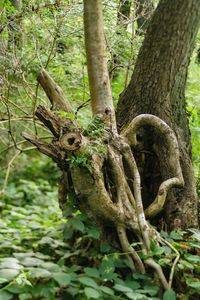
x,y
43,254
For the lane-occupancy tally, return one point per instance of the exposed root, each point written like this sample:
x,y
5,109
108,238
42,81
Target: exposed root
x,y
126,247
151,263
171,276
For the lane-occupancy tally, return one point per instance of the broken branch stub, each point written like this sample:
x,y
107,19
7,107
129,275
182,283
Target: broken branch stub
x,y
45,148
53,92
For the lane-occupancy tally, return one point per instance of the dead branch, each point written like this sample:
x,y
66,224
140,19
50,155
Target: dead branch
x,y
45,148
53,92
52,121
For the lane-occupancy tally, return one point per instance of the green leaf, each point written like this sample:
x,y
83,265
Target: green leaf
x,y
91,293
193,282
134,285
92,272
122,288
9,260
156,250
5,295
2,280
14,288
10,265
31,262
93,232
192,258
176,235
105,248
62,278
40,273
169,295
106,290
8,274
50,266
77,224
135,296
183,264
151,290
87,281
25,296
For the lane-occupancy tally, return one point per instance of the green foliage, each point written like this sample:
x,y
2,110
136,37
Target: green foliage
x,y
35,262
96,132
43,255
193,106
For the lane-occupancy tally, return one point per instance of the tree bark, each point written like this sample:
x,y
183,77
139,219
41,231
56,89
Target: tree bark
x,y
157,86
100,90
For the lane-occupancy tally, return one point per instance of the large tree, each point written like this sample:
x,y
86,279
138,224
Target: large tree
x,y
121,180
158,87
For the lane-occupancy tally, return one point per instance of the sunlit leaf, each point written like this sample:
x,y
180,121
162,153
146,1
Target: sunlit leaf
x,y
87,281
62,278
91,293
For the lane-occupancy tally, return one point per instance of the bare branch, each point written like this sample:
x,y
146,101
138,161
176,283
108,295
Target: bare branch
x,y
53,92
45,148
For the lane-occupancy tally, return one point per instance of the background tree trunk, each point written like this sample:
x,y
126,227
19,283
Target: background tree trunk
x,y
157,87
144,11
15,25
100,90
123,14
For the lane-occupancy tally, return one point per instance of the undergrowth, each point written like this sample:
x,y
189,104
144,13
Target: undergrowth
x,y
44,255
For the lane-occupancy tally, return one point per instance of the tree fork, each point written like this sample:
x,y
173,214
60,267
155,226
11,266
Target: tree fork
x,y
122,208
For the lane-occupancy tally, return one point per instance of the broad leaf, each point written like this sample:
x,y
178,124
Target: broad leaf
x,y
92,272
91,293
169,295
8,274
62,278
122,288
40,273
106,290
88,281
5,295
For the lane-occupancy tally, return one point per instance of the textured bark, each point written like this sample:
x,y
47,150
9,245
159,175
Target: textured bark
x,y
100,90
157,86
53,92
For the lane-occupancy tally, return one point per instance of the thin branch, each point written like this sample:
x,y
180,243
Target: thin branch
x,y
175,261
8,172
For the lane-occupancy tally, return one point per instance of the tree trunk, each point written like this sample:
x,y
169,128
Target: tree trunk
x,y
100,90
157,87
123,14
15,26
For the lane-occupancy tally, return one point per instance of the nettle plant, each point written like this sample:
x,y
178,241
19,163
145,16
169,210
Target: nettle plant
x,y
98,164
